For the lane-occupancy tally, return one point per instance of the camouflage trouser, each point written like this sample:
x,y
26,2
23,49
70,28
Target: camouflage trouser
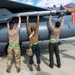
x,y
14,51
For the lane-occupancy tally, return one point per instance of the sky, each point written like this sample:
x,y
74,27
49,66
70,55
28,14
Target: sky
x,y
46,3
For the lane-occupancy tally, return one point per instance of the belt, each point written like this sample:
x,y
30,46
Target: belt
x,y
35,43
16,45
53,39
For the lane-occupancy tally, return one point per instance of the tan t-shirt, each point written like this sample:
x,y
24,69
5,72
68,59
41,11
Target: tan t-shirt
x,y
55,34
14,35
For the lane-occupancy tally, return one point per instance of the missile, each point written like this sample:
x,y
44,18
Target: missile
x,y
5,18
44,13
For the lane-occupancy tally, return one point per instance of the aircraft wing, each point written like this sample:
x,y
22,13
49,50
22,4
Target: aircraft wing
x,y
8,9
18,7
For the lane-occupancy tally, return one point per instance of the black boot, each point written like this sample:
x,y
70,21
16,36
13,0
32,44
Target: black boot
x,y
59,65
51,66
38,67
31,68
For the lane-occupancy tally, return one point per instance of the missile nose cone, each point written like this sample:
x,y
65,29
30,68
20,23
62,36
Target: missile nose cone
x,y
70,10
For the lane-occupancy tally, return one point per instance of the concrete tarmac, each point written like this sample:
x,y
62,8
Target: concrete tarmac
x,y
67,55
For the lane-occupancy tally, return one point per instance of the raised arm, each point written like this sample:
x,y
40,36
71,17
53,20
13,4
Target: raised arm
x,y
27,23
19,21
38,20
62,22
50,23
8,25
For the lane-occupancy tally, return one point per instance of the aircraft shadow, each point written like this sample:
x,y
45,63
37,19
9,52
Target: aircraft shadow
x,y
66,55
42,73
46,59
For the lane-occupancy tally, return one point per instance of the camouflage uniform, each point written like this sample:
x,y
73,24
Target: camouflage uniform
x,y
14,51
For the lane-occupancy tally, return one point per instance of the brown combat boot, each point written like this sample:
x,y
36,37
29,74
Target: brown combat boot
x,y
38,67
8,70
31,68
18,70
